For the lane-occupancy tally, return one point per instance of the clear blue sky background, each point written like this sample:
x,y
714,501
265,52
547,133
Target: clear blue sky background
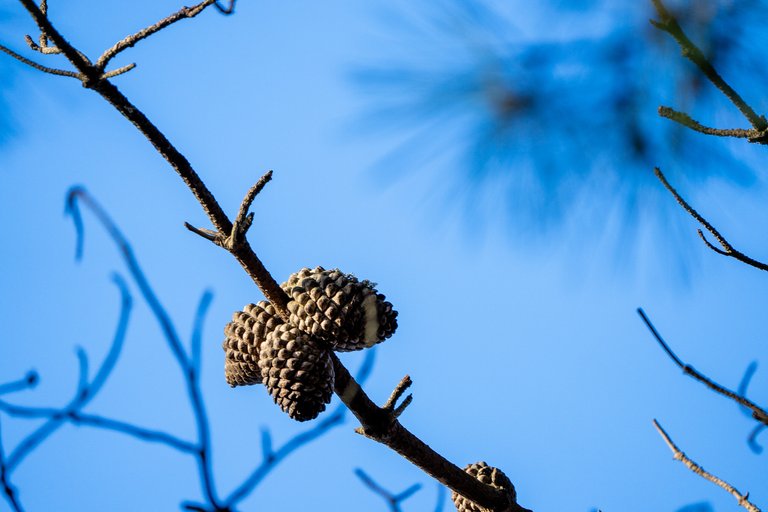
x,y
525,353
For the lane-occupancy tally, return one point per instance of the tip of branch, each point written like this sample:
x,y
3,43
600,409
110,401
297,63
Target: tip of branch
x,y
32,378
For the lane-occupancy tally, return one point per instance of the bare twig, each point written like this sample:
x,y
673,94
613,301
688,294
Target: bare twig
x,y
30,380
130,41
226,10
687,121
40,67
744,384
9,491
197,329
398,392
758,412
752,439
743,499
727,248
75,197
392,500
86,390
669,24
118,71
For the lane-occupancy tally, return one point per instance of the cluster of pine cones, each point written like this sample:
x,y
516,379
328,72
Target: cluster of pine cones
x,y
329,310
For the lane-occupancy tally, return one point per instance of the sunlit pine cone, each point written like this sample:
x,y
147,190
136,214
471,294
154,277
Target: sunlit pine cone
x,y
244,336
490,476
338,308
297,371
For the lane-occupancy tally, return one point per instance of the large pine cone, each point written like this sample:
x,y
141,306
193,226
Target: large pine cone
x,y
297,371
244,336
488,475
346,313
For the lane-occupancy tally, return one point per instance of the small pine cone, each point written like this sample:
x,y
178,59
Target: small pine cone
x,y
244,336
297,371
338,308
490,476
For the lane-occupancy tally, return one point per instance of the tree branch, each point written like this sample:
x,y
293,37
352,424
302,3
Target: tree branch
x,y
758,412
743,499
377,423
130,41
686,120
669,24
29,381
727,248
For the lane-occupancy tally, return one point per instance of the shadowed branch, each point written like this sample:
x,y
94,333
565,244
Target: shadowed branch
x,y
392,500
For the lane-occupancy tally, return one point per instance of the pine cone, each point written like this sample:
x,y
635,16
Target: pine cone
x,y
244,336
297,371
338,308
488,475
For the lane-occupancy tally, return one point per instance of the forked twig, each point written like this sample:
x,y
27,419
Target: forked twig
x,y
758,412
727,248
392,500
669,24
743,499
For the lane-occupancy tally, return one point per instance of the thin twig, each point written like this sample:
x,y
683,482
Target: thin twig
x,y
743,499
118,71
197,329
9,491
29,381
145,434
727,248
744,384
752,439
86,390
687,121
392,500
40,67
758,412
79,195
130,41
226,10
244,220
669,24
401,387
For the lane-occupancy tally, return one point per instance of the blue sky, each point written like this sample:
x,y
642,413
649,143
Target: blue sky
x,y
525,352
